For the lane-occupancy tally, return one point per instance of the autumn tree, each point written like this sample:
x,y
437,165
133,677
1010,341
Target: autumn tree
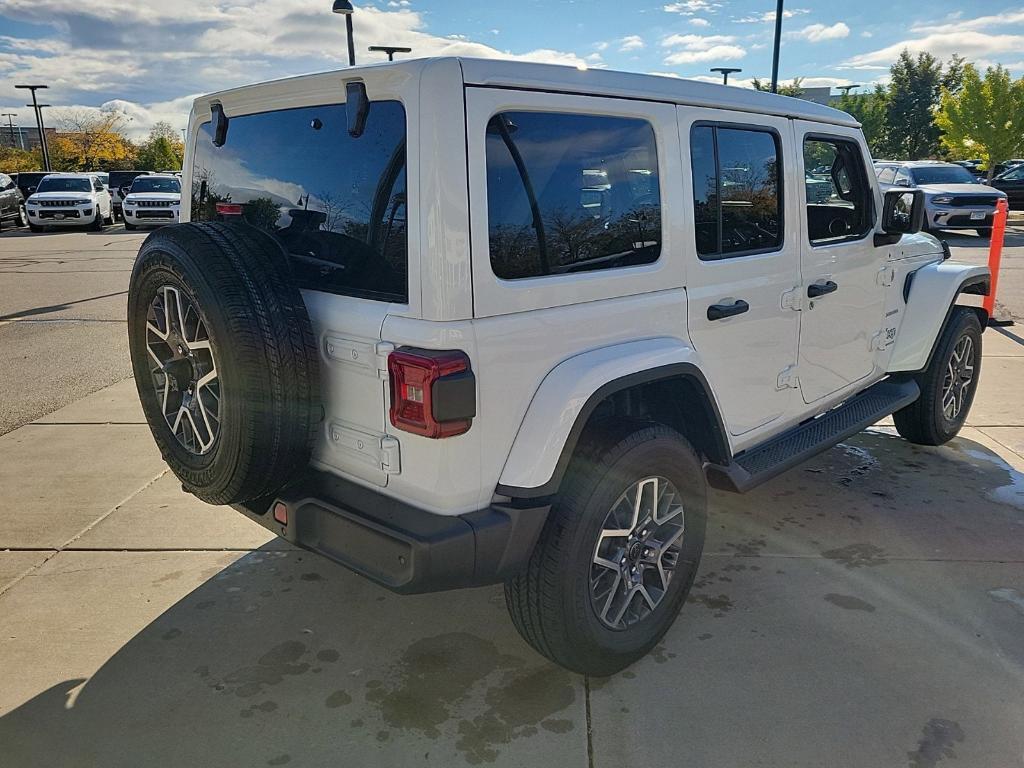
x,y
984,118
91,141
14,160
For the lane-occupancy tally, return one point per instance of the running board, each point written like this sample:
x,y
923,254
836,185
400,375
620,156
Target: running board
x,y
773,457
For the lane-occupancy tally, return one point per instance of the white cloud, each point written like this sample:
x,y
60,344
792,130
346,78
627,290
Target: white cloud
x,y
699,22
958,24
631,43
975,46
769,16
714,53
699,48
691,7
817,33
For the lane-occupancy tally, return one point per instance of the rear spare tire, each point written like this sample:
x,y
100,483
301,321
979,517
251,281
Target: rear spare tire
x,y
225,359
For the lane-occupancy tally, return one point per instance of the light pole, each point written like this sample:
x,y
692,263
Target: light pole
x,y
778,42
344,7
847,88
390,50
10,123
39,121
726,71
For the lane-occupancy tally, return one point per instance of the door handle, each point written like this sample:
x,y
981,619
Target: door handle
x,y
720,311
820,289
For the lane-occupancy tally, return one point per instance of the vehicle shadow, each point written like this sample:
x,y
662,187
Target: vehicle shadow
x,y
283,658
1014,238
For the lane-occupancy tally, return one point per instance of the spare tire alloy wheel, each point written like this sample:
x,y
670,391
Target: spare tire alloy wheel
x,y
636,553
184,369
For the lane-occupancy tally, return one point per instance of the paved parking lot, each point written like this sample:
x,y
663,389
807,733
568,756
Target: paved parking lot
x,y
866,609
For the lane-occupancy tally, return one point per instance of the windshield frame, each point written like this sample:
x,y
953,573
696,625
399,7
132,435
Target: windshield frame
x,y
67,181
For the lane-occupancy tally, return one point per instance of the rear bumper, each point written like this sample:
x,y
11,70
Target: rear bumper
x,y
399,546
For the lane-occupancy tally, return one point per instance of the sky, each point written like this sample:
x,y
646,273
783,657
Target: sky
x,y
149,58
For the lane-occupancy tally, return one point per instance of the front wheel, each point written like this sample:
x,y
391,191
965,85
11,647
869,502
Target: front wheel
x,y
22,218
984,231
947,385
618,554
34,227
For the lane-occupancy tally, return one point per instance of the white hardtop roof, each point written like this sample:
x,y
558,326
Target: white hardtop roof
x,y
505,73
71,175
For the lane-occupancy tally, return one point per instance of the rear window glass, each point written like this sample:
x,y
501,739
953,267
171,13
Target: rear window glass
x,y
336,204
155,184
64,185
571,193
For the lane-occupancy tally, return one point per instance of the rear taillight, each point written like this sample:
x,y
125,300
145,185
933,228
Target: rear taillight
x,y
432,393
229,209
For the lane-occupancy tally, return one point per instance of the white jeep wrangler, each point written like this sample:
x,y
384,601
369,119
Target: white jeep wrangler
x,y
454,322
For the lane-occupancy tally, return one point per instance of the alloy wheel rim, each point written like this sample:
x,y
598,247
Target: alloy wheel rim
x,y
184,369
958,378
637,553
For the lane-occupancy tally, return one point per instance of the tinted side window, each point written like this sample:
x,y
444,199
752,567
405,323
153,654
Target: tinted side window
x,y
336,204
737,191
837,190
571,193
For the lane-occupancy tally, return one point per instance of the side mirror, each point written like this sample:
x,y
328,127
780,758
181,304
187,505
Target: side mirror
x,y
902,214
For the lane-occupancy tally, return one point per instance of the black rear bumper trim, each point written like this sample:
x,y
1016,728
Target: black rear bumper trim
x,y
397,545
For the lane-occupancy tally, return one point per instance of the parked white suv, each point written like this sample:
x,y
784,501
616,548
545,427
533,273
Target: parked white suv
x,y
152,199
69,199
454,322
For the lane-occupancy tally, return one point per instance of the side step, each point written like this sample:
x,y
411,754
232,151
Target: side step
x,y
795,446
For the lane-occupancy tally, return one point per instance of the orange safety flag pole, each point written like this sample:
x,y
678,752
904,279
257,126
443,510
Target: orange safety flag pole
x,y
995,254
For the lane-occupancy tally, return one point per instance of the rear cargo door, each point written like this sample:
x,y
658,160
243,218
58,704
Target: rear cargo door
x,y
336,203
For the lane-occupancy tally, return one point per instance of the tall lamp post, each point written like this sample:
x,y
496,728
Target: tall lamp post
x,y
390,50
847,88
344,7
726,71
10,123
39,121
778,42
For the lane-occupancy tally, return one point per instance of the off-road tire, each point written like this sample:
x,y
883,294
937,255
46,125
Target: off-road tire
x,y
923,421
96,225
22,220
265,353
550,600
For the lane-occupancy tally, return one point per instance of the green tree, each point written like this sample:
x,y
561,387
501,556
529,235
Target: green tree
x,y
912,96
162,150
871,111
788,89
984,118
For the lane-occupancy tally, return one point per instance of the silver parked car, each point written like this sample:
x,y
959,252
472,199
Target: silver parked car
x,y
954,198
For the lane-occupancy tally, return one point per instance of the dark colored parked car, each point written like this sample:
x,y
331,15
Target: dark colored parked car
x,y
12,202
118,183
27,181
1012,183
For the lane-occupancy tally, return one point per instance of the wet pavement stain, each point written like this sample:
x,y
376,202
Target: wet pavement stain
x,y
311,577
338,699
749,548
937,740
280,760
720,604
514,708
850,603
270,669
857,555
432,677
265,707
328,655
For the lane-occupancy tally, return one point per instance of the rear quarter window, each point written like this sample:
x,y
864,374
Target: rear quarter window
x,y
571,193
336,204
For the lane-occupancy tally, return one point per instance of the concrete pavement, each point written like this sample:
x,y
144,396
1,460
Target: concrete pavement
x,y
866,609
